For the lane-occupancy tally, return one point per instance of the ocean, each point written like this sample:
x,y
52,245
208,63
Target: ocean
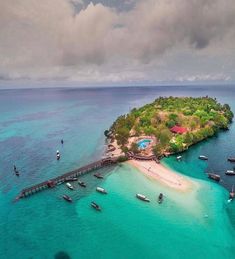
x,y
32,123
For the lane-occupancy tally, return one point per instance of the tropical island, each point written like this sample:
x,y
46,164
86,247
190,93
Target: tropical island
x,y
167,126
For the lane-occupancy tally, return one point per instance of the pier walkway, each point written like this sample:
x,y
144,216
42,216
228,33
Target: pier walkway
x,y
65,177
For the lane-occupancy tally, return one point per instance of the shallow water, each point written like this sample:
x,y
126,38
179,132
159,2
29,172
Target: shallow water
x,y
32,123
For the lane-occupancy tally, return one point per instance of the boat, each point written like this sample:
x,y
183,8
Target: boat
x,y
203,157
99,176
72,179
232,193
69,186
178,158
215,177
231,159
142,197
81,183
67,198
230,172
62,141
101,190
160,198
17,173
95,206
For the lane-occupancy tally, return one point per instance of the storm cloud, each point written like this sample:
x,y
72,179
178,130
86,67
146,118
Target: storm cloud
x,y
151,40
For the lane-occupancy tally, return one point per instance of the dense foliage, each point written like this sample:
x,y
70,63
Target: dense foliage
x,y
202,117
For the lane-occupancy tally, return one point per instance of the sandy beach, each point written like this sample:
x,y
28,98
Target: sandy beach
x,y
163,174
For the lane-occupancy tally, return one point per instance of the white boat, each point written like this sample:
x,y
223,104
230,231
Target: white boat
x,y
69,185
178,158
203,157
230,172
142,197
101,190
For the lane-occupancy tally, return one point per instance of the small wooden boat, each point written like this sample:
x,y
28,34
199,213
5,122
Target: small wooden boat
x,y
62,141
17,173
101,190
58,155
99,176
203,157
178,158
95,206
215,177
69,186
72,179
67,198
142,197
81,183
232,194
231,159
160,198
230,172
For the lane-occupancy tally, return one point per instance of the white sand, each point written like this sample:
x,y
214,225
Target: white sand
x,y
163,174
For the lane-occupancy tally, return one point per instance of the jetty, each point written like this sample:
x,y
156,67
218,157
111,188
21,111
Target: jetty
x,y
51,183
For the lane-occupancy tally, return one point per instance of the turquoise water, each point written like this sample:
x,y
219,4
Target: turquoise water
x,y
196,225
142,144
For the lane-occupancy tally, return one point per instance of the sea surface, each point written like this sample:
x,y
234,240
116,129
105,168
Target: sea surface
x,y
199,224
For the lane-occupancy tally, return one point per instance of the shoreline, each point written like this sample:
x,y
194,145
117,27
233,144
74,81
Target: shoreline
x,y
163,175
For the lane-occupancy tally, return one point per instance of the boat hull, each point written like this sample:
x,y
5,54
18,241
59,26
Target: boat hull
x,y
95,206
214,177
203,158
142,198
67,198
230,173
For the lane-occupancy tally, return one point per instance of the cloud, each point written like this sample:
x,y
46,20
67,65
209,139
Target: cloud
x,y
81,41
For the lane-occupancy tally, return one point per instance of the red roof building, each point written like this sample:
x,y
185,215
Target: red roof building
x,y
178,130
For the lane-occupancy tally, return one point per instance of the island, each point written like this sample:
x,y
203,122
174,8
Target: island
x,y
167,126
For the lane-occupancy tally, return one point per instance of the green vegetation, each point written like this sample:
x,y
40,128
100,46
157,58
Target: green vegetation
x,y
202,117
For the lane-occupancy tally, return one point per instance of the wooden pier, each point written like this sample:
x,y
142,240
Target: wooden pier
x,y
65,177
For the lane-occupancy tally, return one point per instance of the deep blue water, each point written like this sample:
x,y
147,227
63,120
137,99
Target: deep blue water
x,y
33,121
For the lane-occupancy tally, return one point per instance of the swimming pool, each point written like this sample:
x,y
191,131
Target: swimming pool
x,y
143,143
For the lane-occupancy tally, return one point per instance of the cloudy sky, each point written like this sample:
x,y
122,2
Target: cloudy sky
x,y
117,41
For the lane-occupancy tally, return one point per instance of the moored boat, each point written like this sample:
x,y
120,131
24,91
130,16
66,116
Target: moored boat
x,y
203,157
230,172
99,176
101,190
81,183
232,194
142,197
69,186
215,177
160,198
178,158
231,159
67,198
58,155
95,206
